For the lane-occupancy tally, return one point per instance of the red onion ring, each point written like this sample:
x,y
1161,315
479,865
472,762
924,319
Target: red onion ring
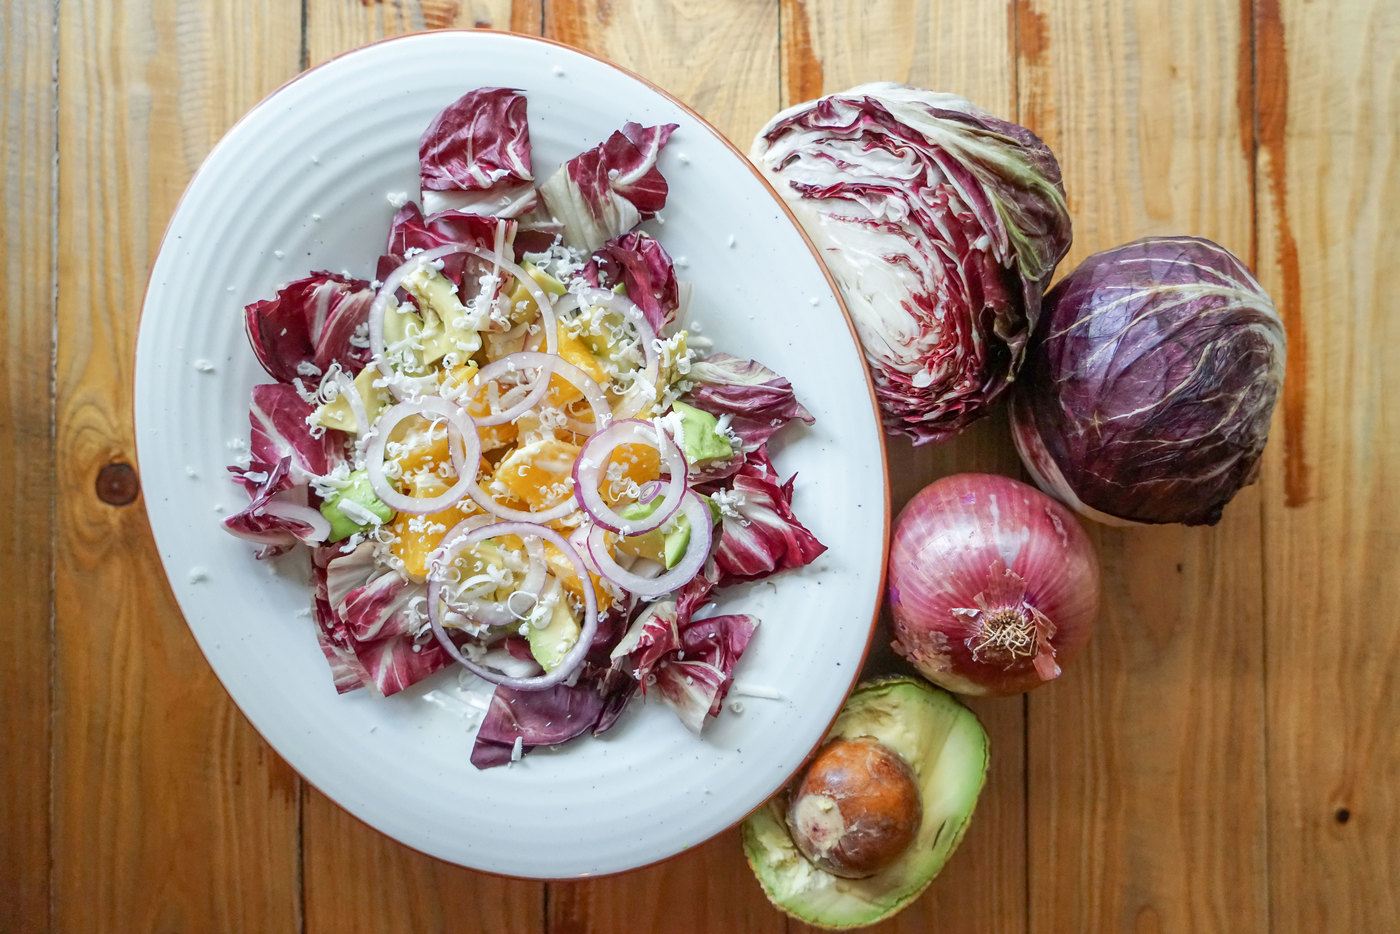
x,y
696,553
588,469
465,455
393,280
575,656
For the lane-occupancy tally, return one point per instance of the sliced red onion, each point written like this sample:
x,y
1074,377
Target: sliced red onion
x,y
588,469
547,364
320,527
525,530
395,278
696,553
649,491
466,454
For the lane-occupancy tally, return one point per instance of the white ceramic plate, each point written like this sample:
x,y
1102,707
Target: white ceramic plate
x,y
333,143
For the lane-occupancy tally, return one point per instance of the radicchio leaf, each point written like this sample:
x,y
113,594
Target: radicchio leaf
x,y
410,230
695,680
759,401
311,324
279,431
942,226
479,141
347,674
538,718
397,662
642,265
608,190
758,532
277,534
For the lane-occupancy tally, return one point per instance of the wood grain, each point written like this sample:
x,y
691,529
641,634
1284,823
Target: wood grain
x,y
336,26
27,265
1145,761
349,866
963,47
721,58
1329,190
169,812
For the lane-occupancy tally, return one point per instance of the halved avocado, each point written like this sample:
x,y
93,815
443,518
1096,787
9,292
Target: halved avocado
x,y
945,747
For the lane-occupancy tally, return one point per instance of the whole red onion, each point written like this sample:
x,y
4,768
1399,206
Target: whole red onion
x,y
993,585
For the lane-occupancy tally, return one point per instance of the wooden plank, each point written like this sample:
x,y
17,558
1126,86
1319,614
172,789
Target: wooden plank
x,y
1146,761
350,868
169,812
964,48
721,58
336,26
1329,192
27,124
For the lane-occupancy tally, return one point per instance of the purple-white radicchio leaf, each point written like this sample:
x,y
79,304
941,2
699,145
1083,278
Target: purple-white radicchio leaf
x,y
1149,389
310,324
277,534
696,679
641,264
608,190
347,674
942,226
759,401
656,632
758,532
478,142
279,431
397,662
373,602
536,718
410,230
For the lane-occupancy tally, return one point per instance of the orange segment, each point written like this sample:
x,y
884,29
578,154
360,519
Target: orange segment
x,y
563,570
538,473
561,391
639,463
417,537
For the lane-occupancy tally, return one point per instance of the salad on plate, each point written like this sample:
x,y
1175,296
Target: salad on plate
x,y
511,453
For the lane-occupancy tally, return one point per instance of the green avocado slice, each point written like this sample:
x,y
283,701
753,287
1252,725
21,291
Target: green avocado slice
x,y
944,745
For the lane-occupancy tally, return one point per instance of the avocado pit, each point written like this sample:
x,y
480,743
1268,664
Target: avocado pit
x,y
857,808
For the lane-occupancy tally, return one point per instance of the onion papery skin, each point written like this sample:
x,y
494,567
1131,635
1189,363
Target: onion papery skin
x,y
979,563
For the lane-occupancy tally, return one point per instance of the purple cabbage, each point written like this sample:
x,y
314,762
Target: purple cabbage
x,y
1148,392
942,226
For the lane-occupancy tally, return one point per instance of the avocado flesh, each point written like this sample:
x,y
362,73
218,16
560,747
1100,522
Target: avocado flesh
x,y
700,438
666,545
944,745
359,492
551,643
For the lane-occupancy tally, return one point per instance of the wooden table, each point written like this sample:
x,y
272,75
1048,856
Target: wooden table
x,y
1225,757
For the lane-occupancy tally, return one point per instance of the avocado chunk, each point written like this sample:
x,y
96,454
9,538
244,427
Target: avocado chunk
x,y
339,415
700,437
551,642
665,546
447,324
349,510
946,750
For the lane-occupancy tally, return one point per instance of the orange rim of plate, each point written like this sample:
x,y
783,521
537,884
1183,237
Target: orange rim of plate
x,y
840,304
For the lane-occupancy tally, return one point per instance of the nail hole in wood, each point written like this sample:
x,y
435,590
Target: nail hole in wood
x,y
1343,815
117,484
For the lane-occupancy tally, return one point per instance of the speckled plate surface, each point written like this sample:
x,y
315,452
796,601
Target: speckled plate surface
x,y
299,184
